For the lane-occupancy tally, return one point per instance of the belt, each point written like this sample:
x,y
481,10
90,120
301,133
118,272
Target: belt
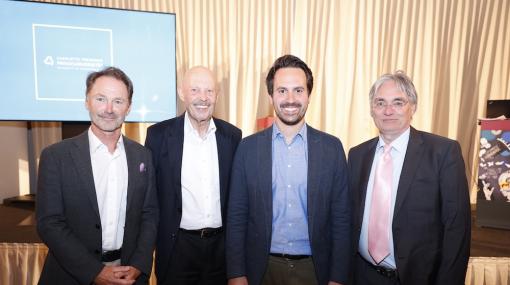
x,y
386,272
290,256
110,255
204,233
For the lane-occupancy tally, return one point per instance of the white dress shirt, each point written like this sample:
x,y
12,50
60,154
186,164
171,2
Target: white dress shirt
x,y
111,181
200,183
398,153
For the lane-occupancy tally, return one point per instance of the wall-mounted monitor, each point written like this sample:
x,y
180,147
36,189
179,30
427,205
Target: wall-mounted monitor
x,y
47,50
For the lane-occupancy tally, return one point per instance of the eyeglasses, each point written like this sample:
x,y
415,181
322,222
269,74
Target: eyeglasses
x,y
396,104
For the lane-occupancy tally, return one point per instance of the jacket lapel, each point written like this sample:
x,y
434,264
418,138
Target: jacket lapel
x,y
83,163
222,144
366,165
411,163
264,166
313,176
174,144
133,165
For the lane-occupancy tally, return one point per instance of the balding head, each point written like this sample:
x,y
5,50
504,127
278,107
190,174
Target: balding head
x,y
198,92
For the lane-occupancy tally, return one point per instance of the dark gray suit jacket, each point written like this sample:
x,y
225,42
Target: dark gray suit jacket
x,y
165,140
250,211
68,216
431,220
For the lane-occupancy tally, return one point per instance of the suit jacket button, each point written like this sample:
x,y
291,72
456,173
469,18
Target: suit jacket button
x,y
98,226
97,251
173,236
179,210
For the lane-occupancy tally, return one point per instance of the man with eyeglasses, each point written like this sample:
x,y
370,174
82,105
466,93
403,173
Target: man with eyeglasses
x,y
193,155
410,196
96,199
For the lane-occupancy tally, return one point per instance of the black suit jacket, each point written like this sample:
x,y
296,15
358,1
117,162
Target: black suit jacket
x,y
68,215
166,139
250,213
431,220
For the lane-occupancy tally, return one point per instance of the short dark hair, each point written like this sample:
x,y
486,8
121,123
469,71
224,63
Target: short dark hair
x,y
285,62
114,72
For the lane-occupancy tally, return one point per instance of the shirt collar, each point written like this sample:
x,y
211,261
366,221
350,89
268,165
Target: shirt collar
x,y
188,127
400,143
95,143
302,133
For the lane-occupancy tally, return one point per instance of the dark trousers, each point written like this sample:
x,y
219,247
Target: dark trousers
x,y
197,261
365,274
282,271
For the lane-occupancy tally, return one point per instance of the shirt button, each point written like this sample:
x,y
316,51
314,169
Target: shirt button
x,y
290,224
288,186
290,205
290,244
289,166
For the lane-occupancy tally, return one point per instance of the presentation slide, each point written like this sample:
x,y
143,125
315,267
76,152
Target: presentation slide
x,y
47,51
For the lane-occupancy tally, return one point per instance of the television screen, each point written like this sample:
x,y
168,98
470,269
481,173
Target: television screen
x,y
47,50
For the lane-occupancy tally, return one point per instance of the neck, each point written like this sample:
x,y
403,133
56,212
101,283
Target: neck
x,y
109,139
200,126
289,131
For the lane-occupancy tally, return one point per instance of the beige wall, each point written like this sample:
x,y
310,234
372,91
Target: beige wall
x,y
14,179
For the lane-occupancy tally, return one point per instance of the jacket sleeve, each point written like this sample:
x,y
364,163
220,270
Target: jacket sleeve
x,y
237,219
340,222
456,218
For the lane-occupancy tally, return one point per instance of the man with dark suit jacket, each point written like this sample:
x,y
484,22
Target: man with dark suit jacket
x,y
289,208
96,199
193,155
410,196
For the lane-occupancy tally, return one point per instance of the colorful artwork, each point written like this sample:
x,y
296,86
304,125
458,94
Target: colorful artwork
x,y
494,166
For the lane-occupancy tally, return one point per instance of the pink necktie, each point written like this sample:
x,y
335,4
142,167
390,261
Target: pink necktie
x,y
379,220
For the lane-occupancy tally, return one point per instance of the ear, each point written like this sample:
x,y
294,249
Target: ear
x,y
180,93
86,102
270,98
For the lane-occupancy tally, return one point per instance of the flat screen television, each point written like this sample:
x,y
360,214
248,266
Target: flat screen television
x,y
47,50
497,108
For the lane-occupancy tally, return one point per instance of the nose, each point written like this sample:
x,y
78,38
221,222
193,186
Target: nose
x,y
109,107
202,95
291,97
388,109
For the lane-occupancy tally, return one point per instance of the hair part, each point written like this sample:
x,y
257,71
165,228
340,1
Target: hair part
x,y
402,81
289,61
113,72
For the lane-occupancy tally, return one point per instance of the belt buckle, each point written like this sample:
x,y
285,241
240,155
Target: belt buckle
x,y
203,232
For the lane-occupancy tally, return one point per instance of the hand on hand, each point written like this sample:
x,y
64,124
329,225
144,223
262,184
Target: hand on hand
x,y
117,275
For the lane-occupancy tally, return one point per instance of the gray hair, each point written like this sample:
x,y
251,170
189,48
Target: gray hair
x,y
403,82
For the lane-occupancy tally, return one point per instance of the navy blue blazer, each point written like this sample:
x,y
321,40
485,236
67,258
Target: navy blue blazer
x,y
250,211
431,221
165,140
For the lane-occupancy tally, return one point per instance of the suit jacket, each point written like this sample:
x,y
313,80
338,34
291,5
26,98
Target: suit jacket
x,y
250,213
68,215
431,220
166,140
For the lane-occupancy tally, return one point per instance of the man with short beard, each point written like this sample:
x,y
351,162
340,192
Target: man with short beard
x,y
96,199
193,155
289,213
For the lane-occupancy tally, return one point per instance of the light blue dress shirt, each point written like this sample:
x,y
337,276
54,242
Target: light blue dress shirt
x,y
398,153
289,187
